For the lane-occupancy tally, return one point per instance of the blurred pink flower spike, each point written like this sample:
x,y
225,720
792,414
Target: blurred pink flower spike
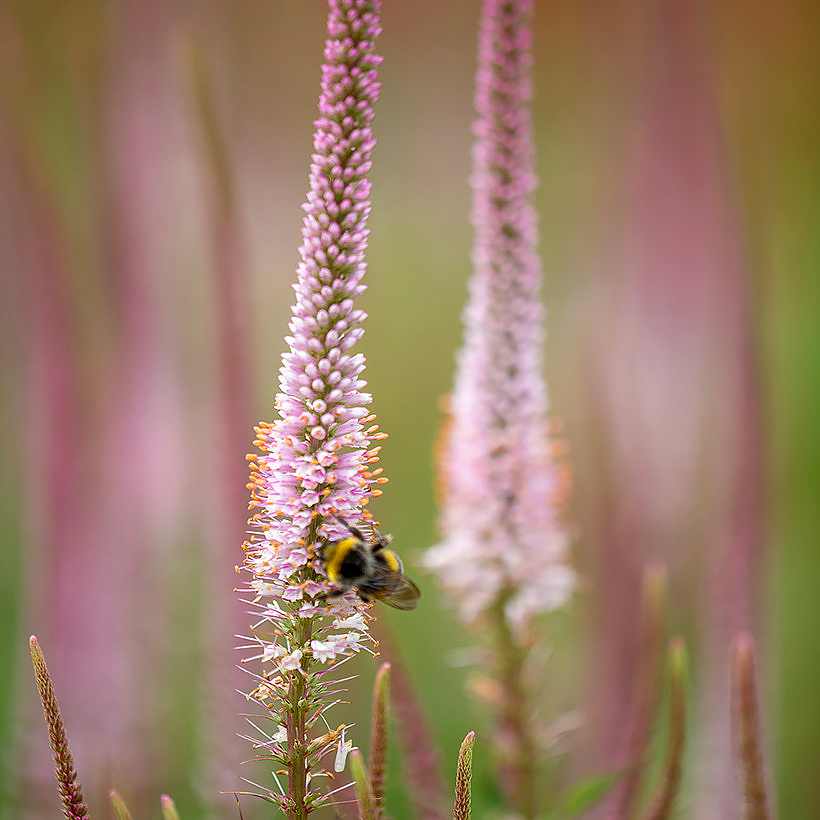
x,y
317,456
503,557
501,485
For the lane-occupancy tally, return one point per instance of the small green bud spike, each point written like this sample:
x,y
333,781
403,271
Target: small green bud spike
x,y
120,809
361,783
169,809
661,806
461,805
746,726
71,791
378,739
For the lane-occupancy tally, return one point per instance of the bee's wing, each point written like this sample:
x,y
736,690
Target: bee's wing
x,y
404,596
392,588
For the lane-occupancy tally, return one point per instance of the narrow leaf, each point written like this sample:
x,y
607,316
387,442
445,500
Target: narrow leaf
x,y
461,805
664,799
71,791
361,783
378,739
645,704
120,809
746,725
169,809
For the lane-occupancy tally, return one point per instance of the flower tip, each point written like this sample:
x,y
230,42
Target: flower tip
x,y
383,677
742,647
169,809
118,804
35,651
357,762
678,659
677,647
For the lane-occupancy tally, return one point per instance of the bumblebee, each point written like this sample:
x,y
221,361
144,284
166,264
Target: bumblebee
x,y
370,568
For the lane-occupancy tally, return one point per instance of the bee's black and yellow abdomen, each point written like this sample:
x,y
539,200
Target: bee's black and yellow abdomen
x,y
344,561
353,566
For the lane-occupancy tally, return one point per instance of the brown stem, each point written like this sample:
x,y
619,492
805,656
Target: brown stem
x,y
378,739
297,734
747,728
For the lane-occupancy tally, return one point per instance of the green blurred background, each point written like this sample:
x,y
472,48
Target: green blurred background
x,y
116,329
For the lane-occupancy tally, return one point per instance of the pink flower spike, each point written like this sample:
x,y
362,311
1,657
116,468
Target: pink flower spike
x,y
501,484
503,555
317,456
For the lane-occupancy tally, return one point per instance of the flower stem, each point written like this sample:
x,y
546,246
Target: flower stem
x,y
518,766
746,719
297,732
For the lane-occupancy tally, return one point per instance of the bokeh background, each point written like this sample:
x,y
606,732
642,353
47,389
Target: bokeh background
x,y
153,158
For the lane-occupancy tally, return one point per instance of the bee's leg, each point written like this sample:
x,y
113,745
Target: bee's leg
x,y
335,593
356,532
381,542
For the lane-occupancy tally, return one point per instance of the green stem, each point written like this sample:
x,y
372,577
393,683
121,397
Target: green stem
x,y
298,742
518,770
